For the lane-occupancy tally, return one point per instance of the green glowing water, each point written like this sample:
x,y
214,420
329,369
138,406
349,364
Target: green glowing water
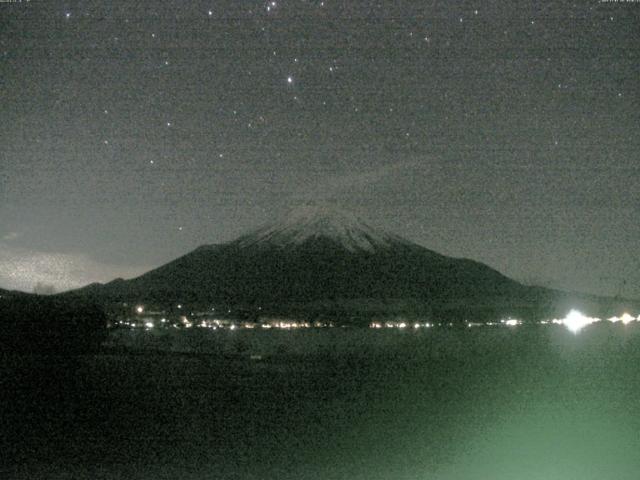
x,y
522,403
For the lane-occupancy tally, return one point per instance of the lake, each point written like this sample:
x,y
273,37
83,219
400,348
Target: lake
x,y
529,402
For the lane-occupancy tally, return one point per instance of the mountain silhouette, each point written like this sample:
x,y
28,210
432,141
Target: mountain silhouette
x,y
320,258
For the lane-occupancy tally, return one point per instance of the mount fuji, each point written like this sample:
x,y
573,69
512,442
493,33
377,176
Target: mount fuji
x,y
309,222
319,260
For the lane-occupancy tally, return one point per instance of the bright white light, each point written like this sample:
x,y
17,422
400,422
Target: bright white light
x,y
289,80
402,325
576,321
149,324
626,318
511,322
232,327
139,309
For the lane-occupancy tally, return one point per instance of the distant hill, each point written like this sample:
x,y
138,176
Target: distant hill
x,y
317,260
6,294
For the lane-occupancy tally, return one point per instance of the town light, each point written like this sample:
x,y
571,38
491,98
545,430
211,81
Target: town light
x,y
576,321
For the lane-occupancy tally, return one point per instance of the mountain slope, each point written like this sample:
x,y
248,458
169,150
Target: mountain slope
x,y
321,256
310,222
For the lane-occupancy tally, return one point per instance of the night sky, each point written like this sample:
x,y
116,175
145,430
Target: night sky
x,y
506,132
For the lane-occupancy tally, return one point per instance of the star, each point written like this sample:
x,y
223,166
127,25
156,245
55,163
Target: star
x,y
289,80
67,15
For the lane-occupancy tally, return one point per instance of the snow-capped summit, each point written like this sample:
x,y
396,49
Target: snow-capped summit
x,y
322,260
321,221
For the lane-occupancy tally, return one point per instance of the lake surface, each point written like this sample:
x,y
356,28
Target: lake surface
x,y
483,403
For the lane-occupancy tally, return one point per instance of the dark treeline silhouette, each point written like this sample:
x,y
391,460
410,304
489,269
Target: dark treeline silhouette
x,y
37,324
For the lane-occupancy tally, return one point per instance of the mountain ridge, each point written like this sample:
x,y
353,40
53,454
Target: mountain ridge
x,y
319,256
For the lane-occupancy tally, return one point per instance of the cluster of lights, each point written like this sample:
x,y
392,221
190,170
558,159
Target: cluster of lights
x,y
574,321
511,322
400,325
290,325
222,324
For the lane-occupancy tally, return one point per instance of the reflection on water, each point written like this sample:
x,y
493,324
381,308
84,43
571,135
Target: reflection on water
x,y
524,402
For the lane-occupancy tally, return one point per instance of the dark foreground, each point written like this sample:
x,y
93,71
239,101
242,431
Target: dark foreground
x,y
525,403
